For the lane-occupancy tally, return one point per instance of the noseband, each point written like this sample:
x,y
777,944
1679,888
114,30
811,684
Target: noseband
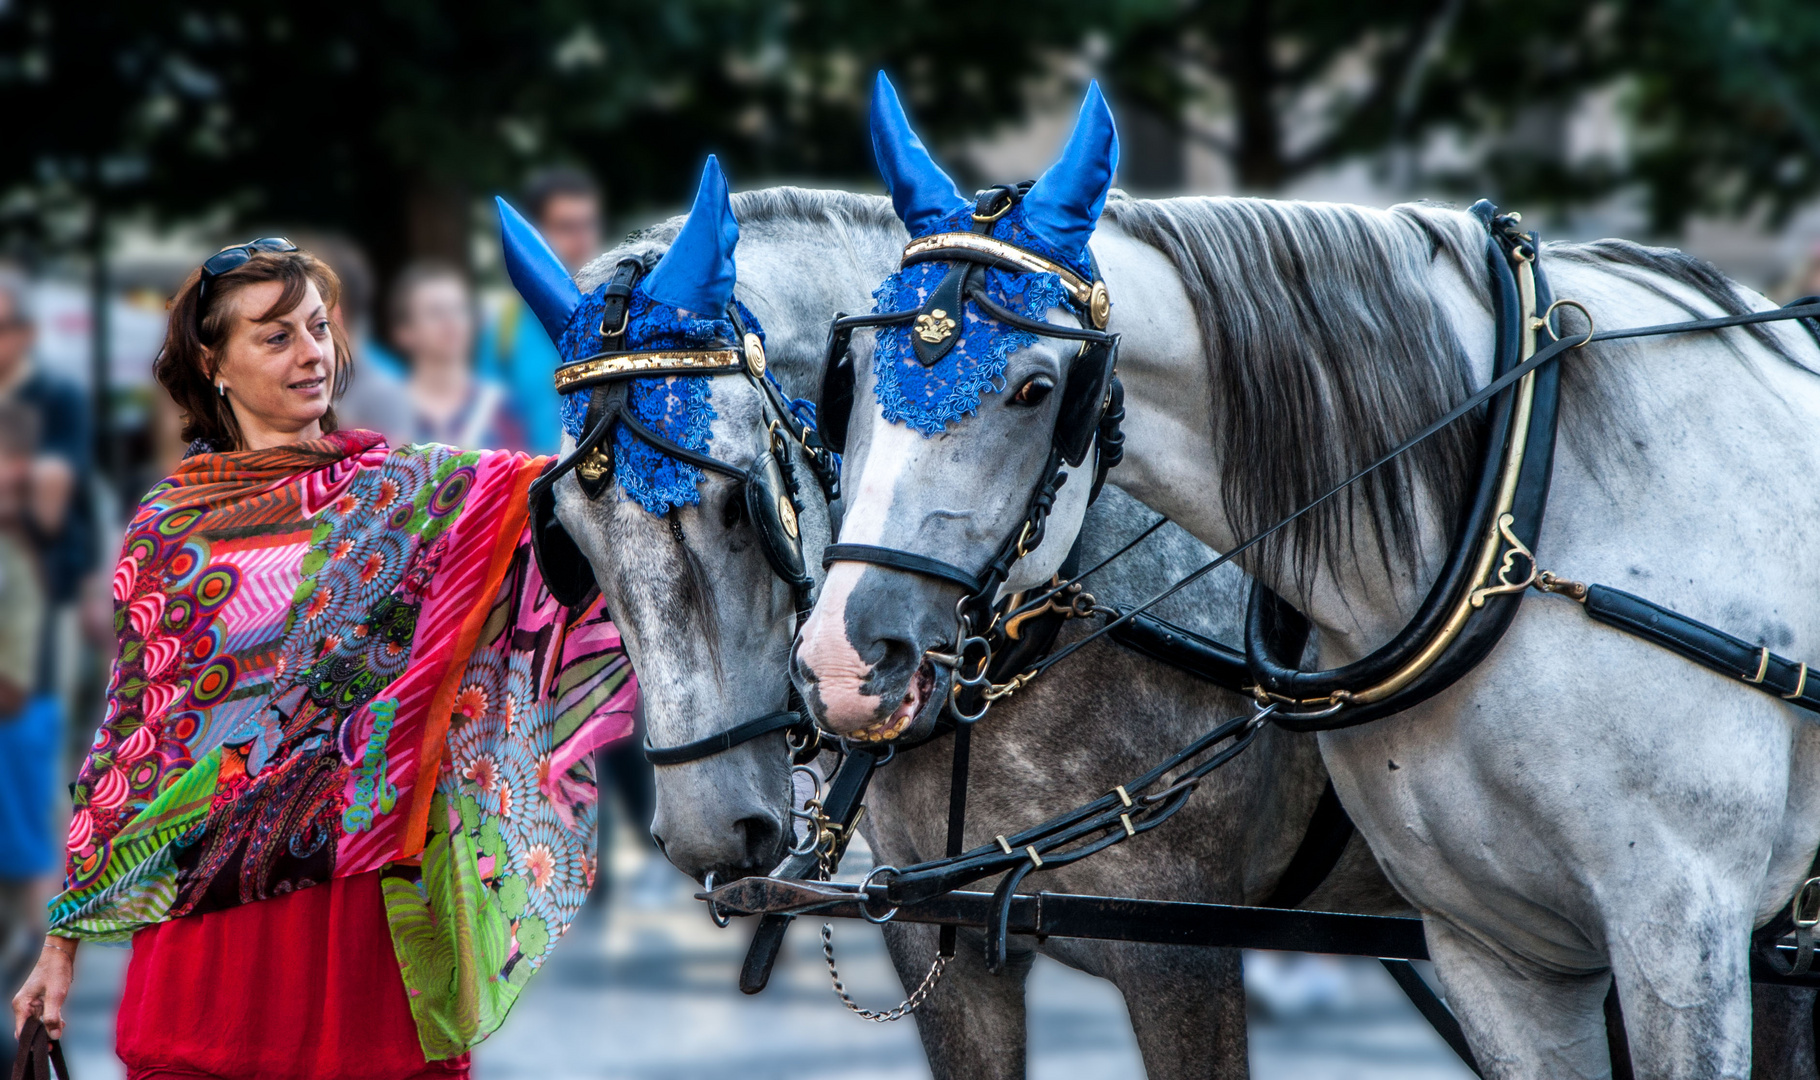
x,y
769,484
1091,411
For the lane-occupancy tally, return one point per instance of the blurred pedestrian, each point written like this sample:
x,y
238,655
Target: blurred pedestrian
x,y
30,727
61,519
433,325
333,803
376,400
565,204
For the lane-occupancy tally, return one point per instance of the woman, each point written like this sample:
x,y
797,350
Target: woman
x,y
433,325
340,802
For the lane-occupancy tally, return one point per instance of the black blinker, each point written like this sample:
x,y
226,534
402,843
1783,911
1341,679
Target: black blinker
x,y
837,392
566,572
1089,381
774,516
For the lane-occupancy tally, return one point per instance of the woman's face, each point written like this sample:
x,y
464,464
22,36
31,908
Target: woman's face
x,y
279,372
438,327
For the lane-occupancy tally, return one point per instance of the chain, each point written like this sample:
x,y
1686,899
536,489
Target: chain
x,y
903,1008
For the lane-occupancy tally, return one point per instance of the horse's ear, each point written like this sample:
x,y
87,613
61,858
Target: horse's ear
x,y
697,273
536,272
922,193
1066,201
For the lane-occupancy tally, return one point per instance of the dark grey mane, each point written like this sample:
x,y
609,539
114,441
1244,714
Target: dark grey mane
x,y
1325,348
1645,266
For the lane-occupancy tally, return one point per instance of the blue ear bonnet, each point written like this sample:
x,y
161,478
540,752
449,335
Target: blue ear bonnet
x,y
1053,218
930,398
676,406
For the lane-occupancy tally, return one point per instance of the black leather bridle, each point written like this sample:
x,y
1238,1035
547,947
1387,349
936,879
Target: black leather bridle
x,y
772,499
1090,411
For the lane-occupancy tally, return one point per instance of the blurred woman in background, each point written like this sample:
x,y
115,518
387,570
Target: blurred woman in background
x,y
329,803
433,326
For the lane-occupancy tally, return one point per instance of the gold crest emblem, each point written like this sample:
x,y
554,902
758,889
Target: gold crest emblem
x,y
787,514
595,465
934,326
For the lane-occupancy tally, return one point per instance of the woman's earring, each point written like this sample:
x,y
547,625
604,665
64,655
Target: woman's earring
x,y
221,388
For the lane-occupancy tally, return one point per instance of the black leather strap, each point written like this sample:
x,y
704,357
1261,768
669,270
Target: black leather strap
x,y
725,740
1329,830
1753,665
907,561
1185,650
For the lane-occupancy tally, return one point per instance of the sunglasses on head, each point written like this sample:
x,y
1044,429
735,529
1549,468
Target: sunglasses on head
x,y
232,258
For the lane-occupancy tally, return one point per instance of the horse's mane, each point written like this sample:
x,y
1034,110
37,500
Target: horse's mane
x,y
1325,347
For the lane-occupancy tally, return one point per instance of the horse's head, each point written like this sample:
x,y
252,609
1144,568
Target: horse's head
x,y
973,428
691,494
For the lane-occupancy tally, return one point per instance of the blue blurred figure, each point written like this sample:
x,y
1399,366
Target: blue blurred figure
x,y
565,205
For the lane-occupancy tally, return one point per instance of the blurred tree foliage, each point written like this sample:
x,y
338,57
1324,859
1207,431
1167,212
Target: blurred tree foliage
x,y
384,117
1716,98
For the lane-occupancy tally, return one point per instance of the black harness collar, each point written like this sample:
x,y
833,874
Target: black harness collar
x,y
1468,608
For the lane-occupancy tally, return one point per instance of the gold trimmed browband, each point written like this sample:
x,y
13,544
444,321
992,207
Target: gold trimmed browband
x,y
1091,296
626,365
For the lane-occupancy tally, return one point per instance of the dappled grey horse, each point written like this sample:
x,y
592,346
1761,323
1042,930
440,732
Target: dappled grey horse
x,y
1581,806
708,625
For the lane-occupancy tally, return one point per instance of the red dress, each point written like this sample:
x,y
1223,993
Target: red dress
x,y
297,987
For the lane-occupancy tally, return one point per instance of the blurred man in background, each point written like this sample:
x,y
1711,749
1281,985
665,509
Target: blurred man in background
x,y
433,325
30,719
565,205
61,516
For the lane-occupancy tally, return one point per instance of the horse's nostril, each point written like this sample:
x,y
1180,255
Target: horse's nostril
x,y
763,841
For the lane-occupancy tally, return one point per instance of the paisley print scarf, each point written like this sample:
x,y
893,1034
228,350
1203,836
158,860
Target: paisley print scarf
x,y
335,658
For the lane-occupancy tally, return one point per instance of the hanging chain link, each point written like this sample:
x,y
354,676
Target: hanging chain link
x,y
903,1008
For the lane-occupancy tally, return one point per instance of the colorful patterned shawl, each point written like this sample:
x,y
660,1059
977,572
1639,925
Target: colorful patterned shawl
x,y
336,658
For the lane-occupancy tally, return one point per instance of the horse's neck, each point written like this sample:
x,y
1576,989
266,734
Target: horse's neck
x,y
1173,461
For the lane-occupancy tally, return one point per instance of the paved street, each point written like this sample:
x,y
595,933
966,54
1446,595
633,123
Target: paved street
x,y
650,995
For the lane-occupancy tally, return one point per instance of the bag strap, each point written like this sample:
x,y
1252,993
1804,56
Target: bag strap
x,y
38,1053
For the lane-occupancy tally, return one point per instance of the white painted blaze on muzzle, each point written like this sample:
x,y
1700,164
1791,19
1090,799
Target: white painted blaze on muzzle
x,y
835,669
825,656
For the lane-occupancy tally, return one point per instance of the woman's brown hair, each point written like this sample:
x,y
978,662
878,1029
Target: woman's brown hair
x,y
199,326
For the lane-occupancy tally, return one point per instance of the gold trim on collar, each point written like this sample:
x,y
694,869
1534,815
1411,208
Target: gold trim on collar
x,y
1079,288
658,362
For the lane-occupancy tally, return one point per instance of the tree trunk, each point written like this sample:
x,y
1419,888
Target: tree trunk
x,y
1250,69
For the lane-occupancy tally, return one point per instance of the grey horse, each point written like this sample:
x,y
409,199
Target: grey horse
x,y
1582,809
709,628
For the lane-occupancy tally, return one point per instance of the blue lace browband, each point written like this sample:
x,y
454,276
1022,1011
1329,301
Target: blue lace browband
x,y
928,399
675,406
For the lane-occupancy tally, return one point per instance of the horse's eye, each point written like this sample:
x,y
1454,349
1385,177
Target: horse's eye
x,y
1034,391
732,510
